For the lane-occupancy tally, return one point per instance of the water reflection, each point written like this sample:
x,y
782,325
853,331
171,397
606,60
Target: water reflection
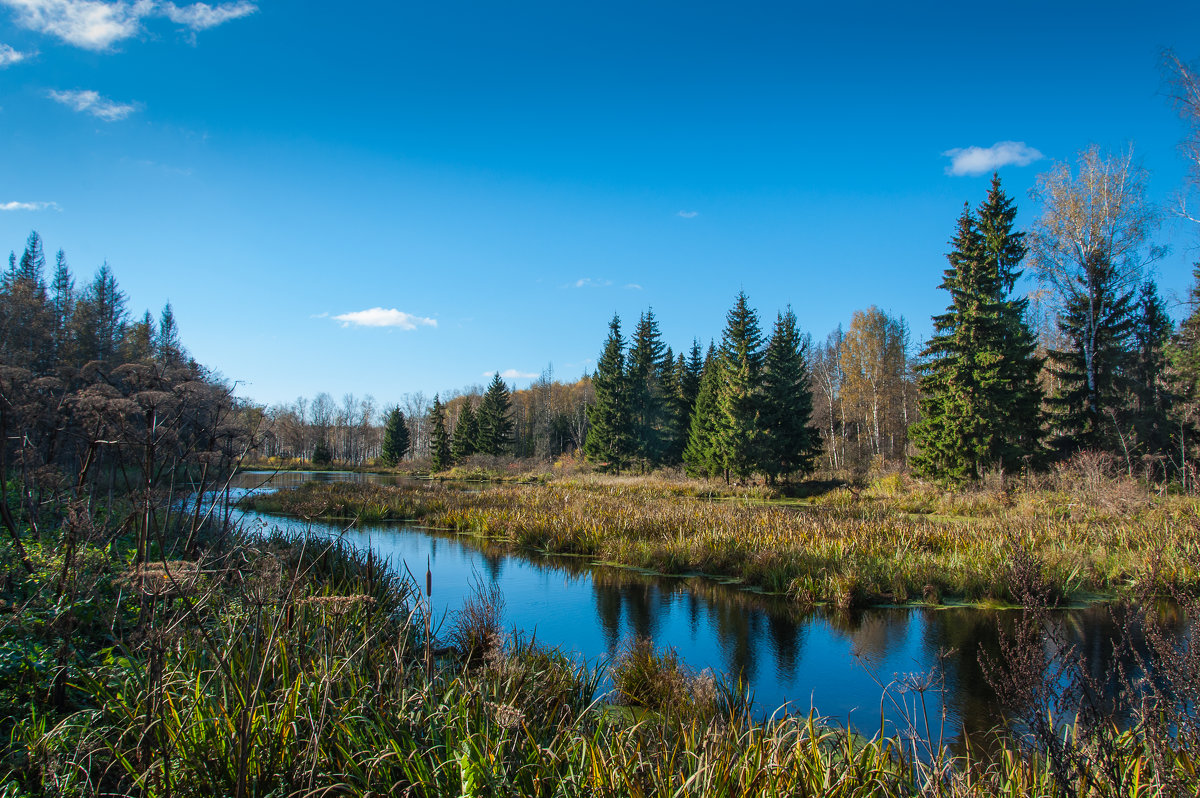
x,y
834,662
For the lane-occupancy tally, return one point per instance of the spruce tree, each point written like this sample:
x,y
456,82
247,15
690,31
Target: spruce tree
x,y
170,350
1097,322
739,399
979,397
646,395
62,306
466,432
610,436
1151,397
395,439
1019,396
789,444
495,422
702,456
440,448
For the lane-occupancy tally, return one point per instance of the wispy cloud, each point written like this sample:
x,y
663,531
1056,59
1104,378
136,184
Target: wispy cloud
x,y
688,214
588,282
980,160
511,374
29,206
202,16
384,317
100,24
9,56
91,102
633,286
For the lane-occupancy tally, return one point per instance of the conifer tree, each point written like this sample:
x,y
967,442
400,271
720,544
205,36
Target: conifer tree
x,y
62,306
466,432
100,317
609,437
739,399
1097,322
646,395
440,448
27,334
979,396
1151,397
702,456
1020,397
494,418
170,350
395,439
789,444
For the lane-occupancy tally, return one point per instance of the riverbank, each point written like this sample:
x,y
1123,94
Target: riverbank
x,y
887,544
297,666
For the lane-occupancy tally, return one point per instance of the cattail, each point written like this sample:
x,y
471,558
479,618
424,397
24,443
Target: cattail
x,y
428,578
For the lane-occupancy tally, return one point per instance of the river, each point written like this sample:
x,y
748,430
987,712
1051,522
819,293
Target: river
x,y
836,663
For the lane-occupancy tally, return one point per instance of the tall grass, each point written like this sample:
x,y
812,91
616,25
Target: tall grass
x,y
847,554
296,667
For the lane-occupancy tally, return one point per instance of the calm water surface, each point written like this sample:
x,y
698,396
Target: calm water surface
x,y
833,662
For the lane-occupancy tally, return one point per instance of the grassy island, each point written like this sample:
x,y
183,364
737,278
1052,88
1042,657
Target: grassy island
x,y
891,543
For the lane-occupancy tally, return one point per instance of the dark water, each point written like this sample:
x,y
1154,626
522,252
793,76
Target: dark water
x,y
846,666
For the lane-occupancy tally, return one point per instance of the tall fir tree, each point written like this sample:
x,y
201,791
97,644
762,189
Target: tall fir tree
x,y
62,305
1097,324
610,437
169,350
979,396
1020,397
702,456
27,333
789,443
495,419
647,403
1148,378
739,399
439,451
100,317
395,439
466,432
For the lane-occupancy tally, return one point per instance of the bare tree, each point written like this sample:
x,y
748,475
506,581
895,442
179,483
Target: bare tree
x,y
1184,81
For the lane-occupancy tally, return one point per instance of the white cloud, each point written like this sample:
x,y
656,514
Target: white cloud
x,y
511,374
588,282
633,286
384,317
90,24
688,214
980,160
202,16
9,56
91,102
100,24
29,206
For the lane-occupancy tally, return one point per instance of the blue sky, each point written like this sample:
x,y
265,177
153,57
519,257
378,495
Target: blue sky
x,y
494,181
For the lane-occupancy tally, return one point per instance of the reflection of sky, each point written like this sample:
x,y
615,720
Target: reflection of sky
x,y
827,661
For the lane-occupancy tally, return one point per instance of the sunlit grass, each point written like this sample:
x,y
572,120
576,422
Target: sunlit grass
x,y
847,553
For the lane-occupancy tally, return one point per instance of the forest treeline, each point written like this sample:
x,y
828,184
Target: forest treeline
x,y
1054,341
1090,361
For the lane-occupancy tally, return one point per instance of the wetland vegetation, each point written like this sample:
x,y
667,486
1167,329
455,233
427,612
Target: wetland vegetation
x,y
897,541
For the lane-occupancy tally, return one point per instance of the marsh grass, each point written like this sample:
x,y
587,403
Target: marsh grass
x,y
292,666
845,550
